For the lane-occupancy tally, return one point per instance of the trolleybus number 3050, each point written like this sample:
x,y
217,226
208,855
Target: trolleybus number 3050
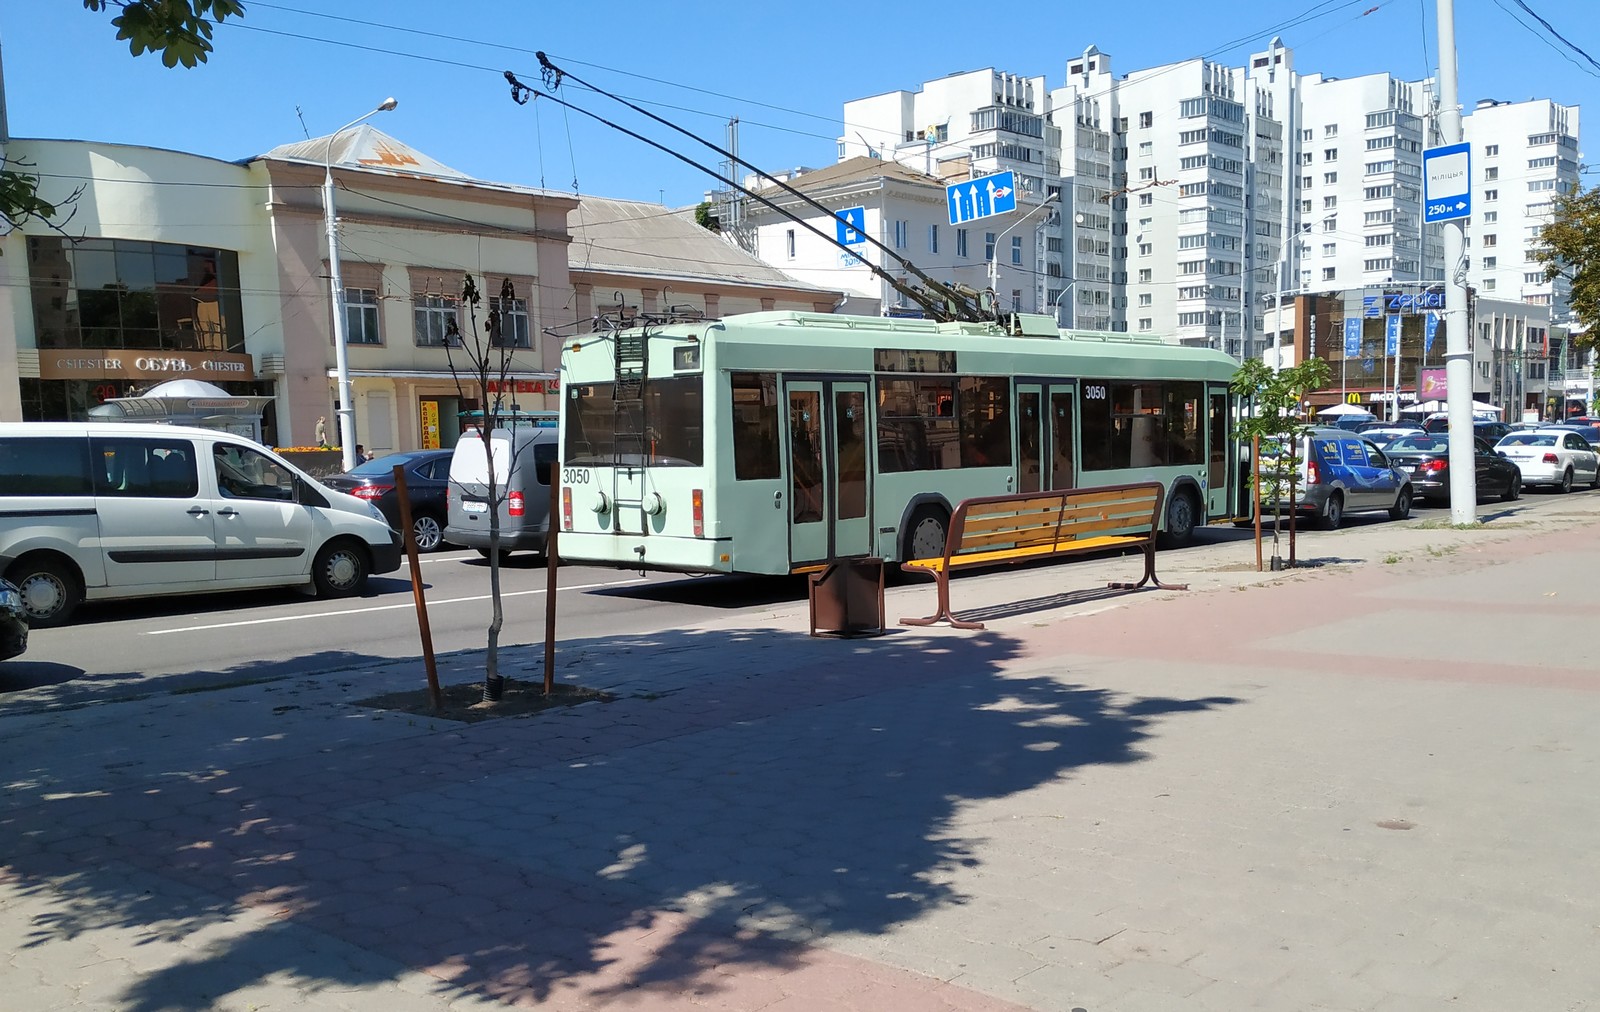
x,y
575,476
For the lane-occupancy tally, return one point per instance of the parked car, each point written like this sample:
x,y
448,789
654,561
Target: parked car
x,y
427,481
1426,458
1555,457
1383,434
524,459
13,622
108,510
1590,433
1482,428
1341,472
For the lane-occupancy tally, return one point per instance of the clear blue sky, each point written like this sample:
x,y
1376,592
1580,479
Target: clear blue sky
x,y
784,71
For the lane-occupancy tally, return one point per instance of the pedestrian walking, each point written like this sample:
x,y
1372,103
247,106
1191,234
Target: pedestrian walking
x,y
322,431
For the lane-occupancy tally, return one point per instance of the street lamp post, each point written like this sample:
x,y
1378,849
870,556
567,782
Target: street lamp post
x,y
341,357
1062,295
994,261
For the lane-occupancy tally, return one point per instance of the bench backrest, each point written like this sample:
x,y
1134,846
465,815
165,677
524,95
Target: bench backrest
x,y
1057,519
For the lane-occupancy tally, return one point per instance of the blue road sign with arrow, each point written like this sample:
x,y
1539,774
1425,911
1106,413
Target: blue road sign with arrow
x,y
852,231
982,197
1447,183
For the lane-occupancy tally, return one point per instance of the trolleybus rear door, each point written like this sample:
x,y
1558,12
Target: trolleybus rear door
x,y
829,471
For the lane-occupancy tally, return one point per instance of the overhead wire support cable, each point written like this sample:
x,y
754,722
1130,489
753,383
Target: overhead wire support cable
x,y
521,93
959,305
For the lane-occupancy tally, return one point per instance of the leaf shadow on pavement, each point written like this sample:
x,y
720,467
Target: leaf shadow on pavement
x,y
749,792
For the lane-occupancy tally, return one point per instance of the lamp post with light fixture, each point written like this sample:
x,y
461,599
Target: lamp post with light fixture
x,y
341,357
994,261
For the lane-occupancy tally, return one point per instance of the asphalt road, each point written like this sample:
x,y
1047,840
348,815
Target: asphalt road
x,y
112,647
165,644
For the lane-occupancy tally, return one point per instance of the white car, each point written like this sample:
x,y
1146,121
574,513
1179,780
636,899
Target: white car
x,y
1558,457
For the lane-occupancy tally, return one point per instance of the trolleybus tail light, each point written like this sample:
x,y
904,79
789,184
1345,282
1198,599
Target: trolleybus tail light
x,y
1551,458
566,508
1313,473
698,497
515,502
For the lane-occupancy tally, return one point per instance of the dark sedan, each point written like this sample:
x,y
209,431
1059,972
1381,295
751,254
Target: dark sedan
x,y
427,480
13,622
1426,457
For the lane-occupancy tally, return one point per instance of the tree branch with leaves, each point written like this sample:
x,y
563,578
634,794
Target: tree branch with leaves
x,y
1569,247
178,30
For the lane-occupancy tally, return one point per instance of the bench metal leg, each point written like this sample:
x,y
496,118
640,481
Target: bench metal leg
x,y
942,580
1149,576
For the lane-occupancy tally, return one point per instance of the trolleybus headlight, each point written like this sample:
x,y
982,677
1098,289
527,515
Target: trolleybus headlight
x,y
601,504
654,505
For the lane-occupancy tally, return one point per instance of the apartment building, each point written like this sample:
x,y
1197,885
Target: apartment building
x,y
971,124
1523,154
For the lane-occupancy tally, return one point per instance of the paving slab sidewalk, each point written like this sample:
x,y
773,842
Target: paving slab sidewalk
x,y
1333,788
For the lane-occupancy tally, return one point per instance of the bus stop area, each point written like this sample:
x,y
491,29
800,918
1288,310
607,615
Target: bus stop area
x,y
1364,785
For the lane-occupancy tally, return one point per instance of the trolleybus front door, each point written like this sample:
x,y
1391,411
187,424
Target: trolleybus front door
x,y
1222,462
829,471
1061,444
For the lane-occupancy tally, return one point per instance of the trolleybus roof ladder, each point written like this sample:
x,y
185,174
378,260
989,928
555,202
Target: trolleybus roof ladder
x,y
631,348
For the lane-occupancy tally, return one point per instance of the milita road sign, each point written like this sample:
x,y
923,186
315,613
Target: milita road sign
x,y
1447,183
982,197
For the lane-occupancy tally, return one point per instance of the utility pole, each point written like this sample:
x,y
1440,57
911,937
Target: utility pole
x,y
1458,339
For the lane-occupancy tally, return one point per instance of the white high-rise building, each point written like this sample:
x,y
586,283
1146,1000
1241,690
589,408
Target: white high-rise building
x,y
1523,154
972,124
1196,197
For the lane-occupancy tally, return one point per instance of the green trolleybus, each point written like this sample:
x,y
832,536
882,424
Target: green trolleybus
x,y
775,442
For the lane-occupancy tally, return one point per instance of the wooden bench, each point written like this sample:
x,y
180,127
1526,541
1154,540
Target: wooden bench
x,y
1003,529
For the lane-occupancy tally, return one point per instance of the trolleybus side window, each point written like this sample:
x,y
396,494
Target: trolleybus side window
x,y
755,425
985,407
1147,424
916,424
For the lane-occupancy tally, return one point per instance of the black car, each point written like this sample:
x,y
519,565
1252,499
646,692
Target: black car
x,y
1426,457
13,622
427,481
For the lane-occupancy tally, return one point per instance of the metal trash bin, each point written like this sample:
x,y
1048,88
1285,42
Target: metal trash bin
x,y
847,598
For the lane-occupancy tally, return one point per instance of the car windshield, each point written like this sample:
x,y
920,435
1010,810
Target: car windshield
x,y
1423,444
1527,439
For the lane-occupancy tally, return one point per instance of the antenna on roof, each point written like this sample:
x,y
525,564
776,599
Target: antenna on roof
x,y
299,112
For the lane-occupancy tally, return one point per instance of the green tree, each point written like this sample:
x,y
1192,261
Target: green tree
x,y
1569,247
1274,412
706,218
180,30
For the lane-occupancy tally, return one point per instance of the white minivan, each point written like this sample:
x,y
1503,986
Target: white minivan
x,y
100,511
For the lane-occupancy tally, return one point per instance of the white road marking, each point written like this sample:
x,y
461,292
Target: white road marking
x,y
379,607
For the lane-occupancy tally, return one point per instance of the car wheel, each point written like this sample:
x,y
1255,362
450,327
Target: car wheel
x,y
1402,506
1182,516
1566,481
340,569
51,591
925,534
429,535
1335,514
1513,490
1595,483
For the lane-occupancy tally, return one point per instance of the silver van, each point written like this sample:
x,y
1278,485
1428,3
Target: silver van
x,y
101,511
525,458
